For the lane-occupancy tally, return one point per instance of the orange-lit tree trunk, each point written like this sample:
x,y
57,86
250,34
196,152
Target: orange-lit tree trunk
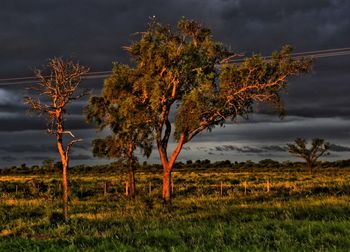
x,y
166,192
65,189
168,166
65,160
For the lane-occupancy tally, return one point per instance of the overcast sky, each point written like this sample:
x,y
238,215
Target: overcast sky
x,y
94,31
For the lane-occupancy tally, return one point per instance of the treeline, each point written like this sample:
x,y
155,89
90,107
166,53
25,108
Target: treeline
x,y
119,167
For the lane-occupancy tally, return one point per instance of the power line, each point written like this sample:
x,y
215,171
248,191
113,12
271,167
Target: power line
x,y
103,74
314,54
32,80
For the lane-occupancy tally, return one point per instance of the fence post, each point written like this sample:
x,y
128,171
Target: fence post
x,y
150,188
16,189
221,188
245,184
126,188
172,187
268,186
81,190
105,189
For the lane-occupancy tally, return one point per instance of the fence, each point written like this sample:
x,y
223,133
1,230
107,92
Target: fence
x,y
116,187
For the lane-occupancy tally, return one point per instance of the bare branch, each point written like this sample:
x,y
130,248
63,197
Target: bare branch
x,y
69,133
70,144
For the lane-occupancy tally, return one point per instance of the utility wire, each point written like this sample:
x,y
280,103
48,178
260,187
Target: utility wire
x,y
314,54
103,74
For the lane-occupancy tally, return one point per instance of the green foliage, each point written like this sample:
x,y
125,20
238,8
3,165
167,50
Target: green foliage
x,y
120,109
187,68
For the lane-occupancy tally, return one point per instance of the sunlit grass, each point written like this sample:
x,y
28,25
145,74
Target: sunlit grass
x,y
301,212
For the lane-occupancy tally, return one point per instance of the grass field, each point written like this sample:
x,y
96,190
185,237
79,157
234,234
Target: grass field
x,y
213,210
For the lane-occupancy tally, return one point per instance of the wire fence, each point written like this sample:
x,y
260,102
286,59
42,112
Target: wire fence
x,y
36,188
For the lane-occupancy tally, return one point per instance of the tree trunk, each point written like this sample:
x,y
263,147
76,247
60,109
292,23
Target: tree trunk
x,y
168,166
65,189
309,166
131,174
65,160
166,187
131,171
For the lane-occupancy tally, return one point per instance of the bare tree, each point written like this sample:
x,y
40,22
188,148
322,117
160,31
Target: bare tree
x,y
58,82
317,149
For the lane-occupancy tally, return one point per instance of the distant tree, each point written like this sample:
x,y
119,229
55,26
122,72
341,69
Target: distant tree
x,y
47,164
269,163
317,148
185,73
120,109
57,166
57,84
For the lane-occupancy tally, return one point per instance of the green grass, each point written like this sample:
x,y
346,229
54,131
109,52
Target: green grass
x,y
301,212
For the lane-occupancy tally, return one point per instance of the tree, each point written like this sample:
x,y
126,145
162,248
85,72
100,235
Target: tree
x,y
47,164
58,82
120,109
187,74
317,149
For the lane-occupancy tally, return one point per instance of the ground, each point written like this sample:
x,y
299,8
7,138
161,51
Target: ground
x,y
218,209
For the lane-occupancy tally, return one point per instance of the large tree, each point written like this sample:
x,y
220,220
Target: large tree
x,y
121,109
185,75
310,154
58,84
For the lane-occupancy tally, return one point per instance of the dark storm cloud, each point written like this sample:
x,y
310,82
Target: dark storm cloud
x,y
305,24
274,11
94,31
7,97
38,158
339,148
245,149
81,157
47,148
21,148
19,123
268,149
41,148
8,158
335,129
251,149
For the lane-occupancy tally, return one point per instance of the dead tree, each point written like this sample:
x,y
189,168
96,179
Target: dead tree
x,y
57,84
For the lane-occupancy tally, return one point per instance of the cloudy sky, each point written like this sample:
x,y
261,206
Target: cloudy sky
x,y
94,31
